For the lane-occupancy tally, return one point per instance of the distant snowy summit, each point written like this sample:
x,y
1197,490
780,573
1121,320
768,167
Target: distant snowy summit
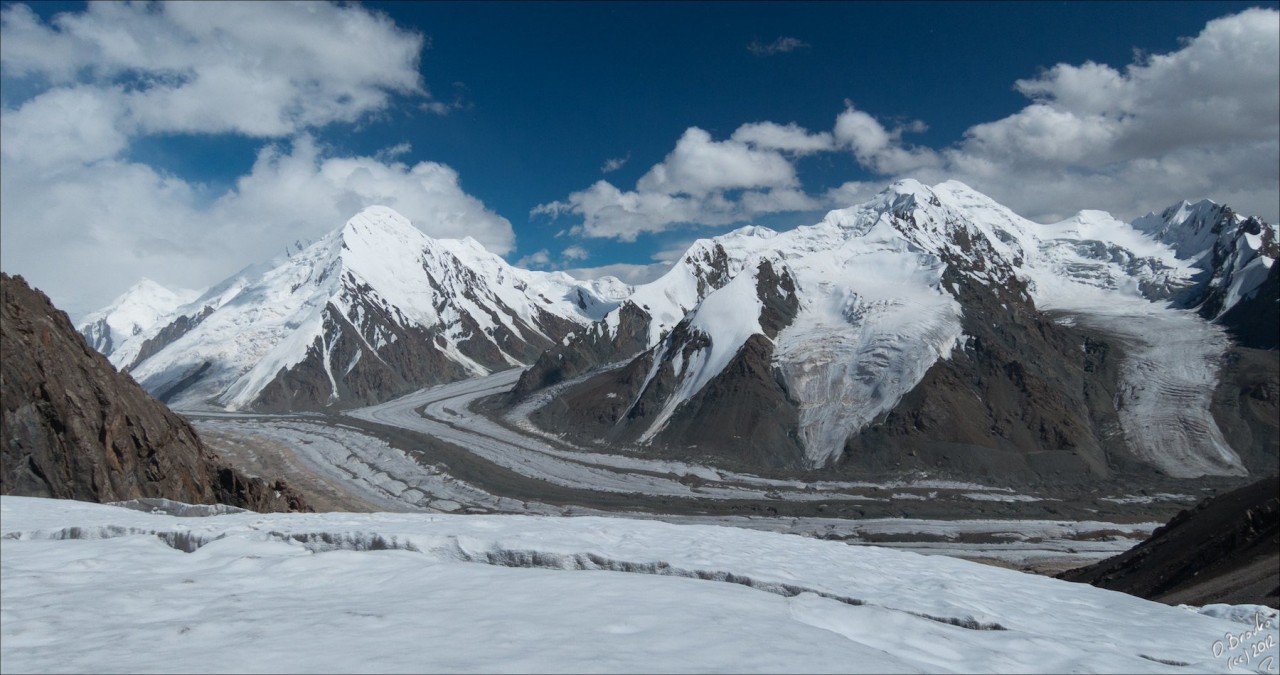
x,y
930,328
370,311
135,312
1235,256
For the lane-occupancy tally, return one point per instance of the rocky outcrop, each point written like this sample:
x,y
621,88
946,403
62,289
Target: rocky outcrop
x,y
166,336
360,376
1225,550
591,347
74,428
1246,405
744,416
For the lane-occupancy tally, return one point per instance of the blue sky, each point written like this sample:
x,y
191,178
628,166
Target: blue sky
x,y
500,119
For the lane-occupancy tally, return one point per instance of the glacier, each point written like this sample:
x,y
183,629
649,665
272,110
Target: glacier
x,y
875,314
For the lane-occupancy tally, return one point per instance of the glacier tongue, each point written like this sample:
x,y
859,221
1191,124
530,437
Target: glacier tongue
x,y
1169,373
871,324
1172,356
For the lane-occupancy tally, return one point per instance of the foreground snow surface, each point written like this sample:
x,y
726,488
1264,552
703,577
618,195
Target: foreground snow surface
x,y
96,588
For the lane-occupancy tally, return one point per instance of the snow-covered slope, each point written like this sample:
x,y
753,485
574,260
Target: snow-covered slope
x,y
1236,280
135,312
370,310
877,303
91,587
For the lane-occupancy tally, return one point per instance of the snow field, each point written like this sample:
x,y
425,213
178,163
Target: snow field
x,y
422,593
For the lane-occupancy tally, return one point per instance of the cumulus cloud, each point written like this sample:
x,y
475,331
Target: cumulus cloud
x,y
83,222
112,218
878,148
631,273
539,259
790,138
543,259
1202,121
66,126
781,45
258,69
702,181
700,166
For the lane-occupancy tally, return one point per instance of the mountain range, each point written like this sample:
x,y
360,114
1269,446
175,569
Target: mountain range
x,y
372,310
929,328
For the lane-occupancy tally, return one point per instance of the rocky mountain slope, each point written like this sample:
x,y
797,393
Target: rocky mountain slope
x,y
930,329
74,428
372,310
1225,550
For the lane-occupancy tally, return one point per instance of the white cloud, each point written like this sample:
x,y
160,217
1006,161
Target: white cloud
x,y
614,163
538,259
107,221
693,184
1203,121
781,45
258,69
699,166
575,253
673,251
851,193
790,138
542,259
630,273
877,148
305,187
60,127
83,223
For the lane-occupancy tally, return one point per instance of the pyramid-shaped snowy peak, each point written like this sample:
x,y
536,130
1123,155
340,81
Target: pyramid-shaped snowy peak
x,y
371,310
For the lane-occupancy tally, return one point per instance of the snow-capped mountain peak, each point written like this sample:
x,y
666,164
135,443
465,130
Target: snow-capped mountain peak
x,y
886,290
374,308
134,312
1234,255
1189,229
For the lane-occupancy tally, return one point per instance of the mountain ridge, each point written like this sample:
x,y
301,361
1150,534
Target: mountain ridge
x,y
1091,281
374,309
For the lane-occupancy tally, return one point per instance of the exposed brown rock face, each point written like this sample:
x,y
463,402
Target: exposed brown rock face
x,y
1226,549
1246,406
588,348
74,428
743,417
361,376
1022,400
167,335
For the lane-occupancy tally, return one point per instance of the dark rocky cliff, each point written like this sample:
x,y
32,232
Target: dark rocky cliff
x,y
1226,549
74,428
